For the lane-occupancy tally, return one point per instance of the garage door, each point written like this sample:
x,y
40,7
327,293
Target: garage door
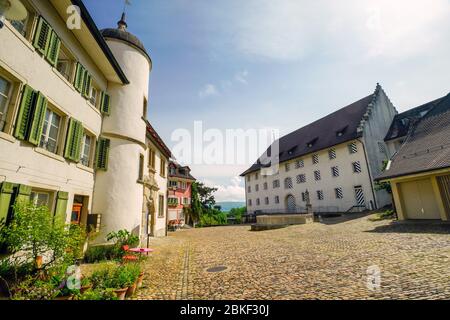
x,y
444,187
418,200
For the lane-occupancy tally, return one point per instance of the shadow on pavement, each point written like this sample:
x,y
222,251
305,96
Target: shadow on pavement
x,y
432,227
330,220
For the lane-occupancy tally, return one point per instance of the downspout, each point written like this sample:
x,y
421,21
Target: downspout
x,y
370,175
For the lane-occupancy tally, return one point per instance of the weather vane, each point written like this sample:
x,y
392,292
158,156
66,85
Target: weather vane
x,y
126,3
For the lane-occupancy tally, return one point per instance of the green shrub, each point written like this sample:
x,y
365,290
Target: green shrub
x,y
34,232
101,253
115,277
32,289
98,294
386,215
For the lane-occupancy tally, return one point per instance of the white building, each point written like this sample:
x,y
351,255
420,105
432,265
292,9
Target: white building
x,y
332,160
73,106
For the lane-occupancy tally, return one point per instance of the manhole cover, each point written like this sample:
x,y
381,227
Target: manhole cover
x,y
217,269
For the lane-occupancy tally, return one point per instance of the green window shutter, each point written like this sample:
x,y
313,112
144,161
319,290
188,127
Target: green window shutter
x,y
37,124
6,191
74,138
42,36
79,77
54,47
106,104
23,193
24,116
61,205
101,159
87,83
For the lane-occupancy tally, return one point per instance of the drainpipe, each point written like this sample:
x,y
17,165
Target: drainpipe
x,y
370,175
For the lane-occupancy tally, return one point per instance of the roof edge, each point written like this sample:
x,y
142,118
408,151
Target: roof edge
x,y
87,18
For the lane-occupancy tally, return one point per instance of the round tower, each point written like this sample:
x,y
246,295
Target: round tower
x,y
118,194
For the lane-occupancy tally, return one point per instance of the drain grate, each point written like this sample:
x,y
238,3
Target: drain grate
x,y
217,269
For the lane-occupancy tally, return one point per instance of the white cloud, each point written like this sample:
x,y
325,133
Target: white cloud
x,y
241,77
232,192
287,30
208,90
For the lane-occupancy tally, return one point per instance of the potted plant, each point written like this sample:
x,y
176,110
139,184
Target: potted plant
x,y
132,271
98,294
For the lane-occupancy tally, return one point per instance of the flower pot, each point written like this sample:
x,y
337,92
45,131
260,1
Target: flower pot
x,y
140,279
39,262
85,288
121,293
131,290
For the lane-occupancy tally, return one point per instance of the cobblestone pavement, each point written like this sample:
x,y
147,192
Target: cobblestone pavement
x,y
316,261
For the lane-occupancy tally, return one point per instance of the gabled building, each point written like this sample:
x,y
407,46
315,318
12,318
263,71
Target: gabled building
x,y
402,124
179,191
419,172
155,180
73,128
331,161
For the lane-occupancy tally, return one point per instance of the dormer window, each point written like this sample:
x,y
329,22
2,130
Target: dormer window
x,y
341,132
292,150
312,143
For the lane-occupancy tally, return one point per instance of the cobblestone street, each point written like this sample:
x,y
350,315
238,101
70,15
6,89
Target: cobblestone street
x,y
316,261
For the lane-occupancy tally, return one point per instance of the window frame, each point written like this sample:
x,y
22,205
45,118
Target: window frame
x,y
8,100
83,147
33,14
61,129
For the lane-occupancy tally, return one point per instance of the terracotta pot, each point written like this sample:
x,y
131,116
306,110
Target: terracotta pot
x,y
140,279
39,262
85,288
131,290
121,293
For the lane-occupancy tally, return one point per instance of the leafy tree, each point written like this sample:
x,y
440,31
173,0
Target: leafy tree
x,y
206,195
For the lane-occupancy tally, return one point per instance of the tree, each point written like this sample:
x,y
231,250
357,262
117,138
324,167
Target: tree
x,y
196,210
206,195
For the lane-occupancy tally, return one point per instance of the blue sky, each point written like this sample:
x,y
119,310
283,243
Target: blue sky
x,y
281,64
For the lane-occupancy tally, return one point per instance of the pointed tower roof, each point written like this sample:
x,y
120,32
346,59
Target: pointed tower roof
x,y
121,33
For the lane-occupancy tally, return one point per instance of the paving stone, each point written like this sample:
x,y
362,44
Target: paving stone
x,y
315,261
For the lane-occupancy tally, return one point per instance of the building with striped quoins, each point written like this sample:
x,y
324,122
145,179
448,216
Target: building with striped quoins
x,y
331,161
73,129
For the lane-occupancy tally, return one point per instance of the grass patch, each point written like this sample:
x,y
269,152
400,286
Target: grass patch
x,y
386,215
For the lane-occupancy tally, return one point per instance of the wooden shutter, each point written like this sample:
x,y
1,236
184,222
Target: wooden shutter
x,y
101,159
106,104
6,191
42,36
23,193
24,116
62,200
37,123
79,77
54,48
74,139
87,83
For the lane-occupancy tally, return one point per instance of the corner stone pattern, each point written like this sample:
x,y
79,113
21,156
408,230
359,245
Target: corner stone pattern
x,y
316,261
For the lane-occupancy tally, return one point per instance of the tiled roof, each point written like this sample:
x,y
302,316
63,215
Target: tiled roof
x,y
177,173
155,137
402,122
427,147
337,127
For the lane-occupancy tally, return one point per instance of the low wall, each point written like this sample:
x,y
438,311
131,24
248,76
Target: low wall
x,y
287,219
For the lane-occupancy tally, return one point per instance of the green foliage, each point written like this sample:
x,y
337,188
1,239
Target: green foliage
x,y
101,253
386,215
196,210
34,231
122,238
237,213
383,185
205,194
98,294
115,277
32,289
212,217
